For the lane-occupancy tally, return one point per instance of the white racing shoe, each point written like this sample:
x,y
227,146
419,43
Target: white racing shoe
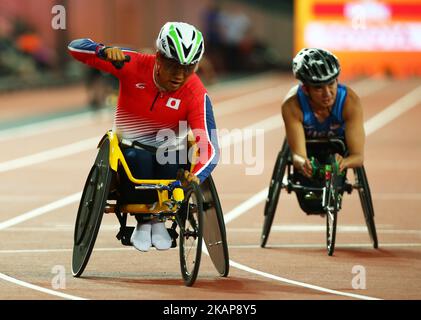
x,y
161,239
141,237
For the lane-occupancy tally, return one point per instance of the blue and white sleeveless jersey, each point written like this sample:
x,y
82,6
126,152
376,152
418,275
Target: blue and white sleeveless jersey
x,y
332,126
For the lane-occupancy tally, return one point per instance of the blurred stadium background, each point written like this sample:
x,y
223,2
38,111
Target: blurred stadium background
x,y
33,53
243,37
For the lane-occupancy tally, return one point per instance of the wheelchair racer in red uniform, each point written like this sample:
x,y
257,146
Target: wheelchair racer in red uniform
x,y
158,92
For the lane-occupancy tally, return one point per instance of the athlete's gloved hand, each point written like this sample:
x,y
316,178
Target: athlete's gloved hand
x,y
191,177
186,177
341,162
114,54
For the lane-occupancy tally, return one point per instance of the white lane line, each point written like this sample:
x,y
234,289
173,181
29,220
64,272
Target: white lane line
x,y
268,124
368,86
323,246
52,125
49,155
292,282
41,210
407,102
262,127
63,250
245,206
280,229
268,95
298,283
248,101
374,195
397,196
254,99
38,288
237,85
234,246
222,108
318,228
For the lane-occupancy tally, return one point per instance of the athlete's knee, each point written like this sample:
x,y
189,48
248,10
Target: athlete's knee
x,y
130,154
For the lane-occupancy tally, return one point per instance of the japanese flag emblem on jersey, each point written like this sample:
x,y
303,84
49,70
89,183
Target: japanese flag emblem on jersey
x,y
173,103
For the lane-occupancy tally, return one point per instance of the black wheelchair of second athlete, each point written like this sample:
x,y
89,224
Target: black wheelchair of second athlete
x,y
322,194
194,211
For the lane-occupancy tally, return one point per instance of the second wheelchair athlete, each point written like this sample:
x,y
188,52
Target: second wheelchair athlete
x,y
321,107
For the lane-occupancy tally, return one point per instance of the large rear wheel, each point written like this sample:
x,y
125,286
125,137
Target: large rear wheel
x,y
214,233
367,204
274,192
91,209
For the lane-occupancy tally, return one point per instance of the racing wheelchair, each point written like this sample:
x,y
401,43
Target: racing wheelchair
x,y
194,210
323,193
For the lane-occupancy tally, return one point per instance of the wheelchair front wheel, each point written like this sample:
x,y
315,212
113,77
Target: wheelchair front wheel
x,y
333,200
331,221
190,220
91,209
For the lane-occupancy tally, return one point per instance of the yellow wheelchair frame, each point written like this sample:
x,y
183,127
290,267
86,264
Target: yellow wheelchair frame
x,y
164,203
189,207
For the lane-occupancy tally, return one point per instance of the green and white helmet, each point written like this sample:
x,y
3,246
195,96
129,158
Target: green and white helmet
x,y
182,42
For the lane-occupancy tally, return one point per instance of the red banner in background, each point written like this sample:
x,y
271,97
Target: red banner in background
x,y
369,37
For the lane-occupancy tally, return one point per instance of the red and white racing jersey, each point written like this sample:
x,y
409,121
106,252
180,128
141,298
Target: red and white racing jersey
x,y
143,111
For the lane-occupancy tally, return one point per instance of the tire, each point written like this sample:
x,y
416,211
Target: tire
x,y
214,232
190,221
366,204
333,201
91,209
274,192
331,221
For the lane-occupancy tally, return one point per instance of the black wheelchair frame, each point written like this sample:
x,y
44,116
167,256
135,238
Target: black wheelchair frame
x,y
332,192
199,217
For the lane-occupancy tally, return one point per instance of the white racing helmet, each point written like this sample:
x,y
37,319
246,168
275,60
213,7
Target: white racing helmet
x,y
182,42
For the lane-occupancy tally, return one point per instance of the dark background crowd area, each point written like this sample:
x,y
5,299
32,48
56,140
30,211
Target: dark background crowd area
x,y
237,44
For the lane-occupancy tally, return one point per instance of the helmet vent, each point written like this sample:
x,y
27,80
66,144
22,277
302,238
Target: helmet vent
x,y
198,53
186,50
171,45
179,33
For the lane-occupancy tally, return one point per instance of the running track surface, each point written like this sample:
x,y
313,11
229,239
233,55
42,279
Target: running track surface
x,y
43,169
